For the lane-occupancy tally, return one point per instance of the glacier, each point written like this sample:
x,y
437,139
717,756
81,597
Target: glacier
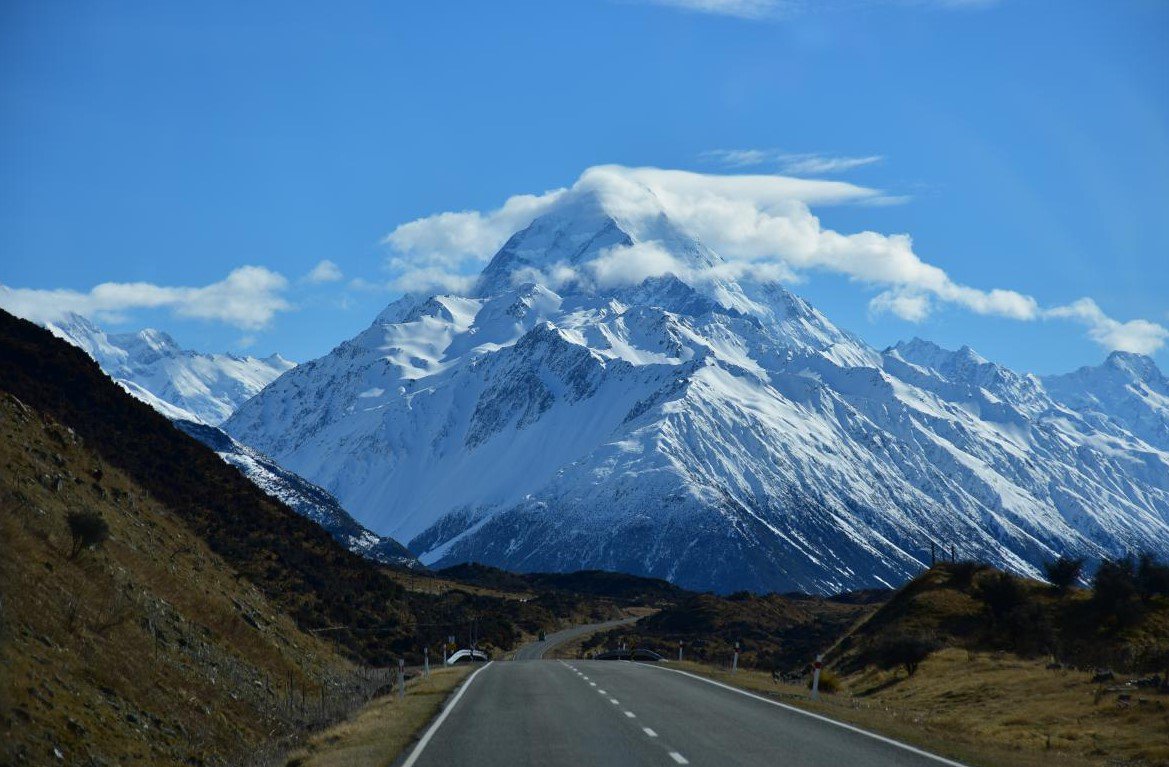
x,y
711,429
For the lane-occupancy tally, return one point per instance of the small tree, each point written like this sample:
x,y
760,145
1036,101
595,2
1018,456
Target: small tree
x,y
906,650
1064,572
88,529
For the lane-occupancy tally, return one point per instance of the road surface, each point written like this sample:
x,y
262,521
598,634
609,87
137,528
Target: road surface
x,y
575,713
536,650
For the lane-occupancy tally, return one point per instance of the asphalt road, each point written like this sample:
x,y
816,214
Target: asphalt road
x,y
553,713
536,650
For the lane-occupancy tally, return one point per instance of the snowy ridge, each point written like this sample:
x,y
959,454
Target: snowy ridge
x,y
178,382
721,433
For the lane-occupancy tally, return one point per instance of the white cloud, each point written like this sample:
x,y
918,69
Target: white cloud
x,y
762,225
249,297
629,265
1140,336
914,307
788,162
325,271
743,9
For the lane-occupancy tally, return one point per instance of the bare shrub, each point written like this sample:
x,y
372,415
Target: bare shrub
x,y
88,530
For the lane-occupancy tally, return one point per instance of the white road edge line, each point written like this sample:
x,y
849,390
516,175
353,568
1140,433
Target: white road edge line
x,y
649,732
829,720
679,758
417,752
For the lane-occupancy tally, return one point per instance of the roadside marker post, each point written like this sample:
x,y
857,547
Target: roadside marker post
x,y
426,660
401,679
816,677
679,650
735,660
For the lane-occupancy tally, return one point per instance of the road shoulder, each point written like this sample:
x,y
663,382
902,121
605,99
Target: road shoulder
x,y
384,729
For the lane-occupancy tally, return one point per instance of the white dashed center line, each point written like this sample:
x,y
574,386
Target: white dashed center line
x,y
650,732
679,758
602,692
630,714
592,684
614,701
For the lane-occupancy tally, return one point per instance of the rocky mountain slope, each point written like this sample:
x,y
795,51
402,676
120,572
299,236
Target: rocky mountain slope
x,y
300,495
573,412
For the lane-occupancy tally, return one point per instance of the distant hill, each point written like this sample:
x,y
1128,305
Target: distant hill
x,y
598,583
972,606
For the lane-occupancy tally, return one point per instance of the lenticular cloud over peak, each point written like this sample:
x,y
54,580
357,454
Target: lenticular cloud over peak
x,y
760,226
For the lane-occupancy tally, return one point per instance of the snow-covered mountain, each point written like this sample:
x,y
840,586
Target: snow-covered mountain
x,y
301,496
197,391
178,382
1128,392
572,413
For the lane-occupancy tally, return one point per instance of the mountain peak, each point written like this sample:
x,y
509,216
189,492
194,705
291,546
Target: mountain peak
x,y
919,351
576,244
1139,367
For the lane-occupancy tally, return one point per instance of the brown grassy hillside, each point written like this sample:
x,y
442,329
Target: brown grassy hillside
x,y
149,649
290,559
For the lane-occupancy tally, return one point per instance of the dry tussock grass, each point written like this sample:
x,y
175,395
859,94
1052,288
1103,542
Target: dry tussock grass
x,y
382,730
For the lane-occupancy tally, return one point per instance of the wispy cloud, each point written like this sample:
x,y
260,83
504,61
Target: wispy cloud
x,y
780,9
800,164
762,225
325,271
248,298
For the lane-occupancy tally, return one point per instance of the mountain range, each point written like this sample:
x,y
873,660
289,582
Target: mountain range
x,y
697,423
196,391
206,388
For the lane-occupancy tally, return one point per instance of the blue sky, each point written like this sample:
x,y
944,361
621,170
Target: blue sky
x,y
163,146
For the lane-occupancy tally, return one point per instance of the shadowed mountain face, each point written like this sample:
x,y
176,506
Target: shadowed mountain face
x,y
609,397
300,495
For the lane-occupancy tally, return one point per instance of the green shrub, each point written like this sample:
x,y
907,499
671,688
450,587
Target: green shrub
x,y
962,573
1002,594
